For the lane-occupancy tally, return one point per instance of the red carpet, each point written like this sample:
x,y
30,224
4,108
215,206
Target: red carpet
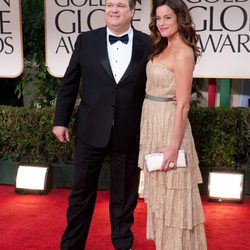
x,y
36,222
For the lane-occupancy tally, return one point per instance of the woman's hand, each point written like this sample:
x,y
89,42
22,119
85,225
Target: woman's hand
x,y
170,158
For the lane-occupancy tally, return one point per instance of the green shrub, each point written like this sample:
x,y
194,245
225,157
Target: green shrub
x,y
222,136
26,135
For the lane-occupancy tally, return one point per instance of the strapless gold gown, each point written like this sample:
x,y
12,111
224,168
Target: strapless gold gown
x,y
175,218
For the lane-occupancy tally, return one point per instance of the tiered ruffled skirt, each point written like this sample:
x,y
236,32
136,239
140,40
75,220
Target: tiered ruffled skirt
x,y
175,218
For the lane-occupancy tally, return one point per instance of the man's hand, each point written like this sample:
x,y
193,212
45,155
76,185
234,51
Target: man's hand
x,y
61,133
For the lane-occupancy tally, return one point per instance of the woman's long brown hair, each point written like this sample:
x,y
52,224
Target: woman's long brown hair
x,y
185,28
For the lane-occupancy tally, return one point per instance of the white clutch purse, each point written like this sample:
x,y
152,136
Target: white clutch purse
x,y
154,161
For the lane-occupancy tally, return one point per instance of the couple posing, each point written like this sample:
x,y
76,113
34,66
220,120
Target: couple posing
x,y
117,64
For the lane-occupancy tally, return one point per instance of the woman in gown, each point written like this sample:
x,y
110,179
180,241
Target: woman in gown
x,y
175,218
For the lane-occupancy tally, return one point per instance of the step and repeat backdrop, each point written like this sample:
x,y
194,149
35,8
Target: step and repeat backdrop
x,y
65,19
11,44
224,31
223,27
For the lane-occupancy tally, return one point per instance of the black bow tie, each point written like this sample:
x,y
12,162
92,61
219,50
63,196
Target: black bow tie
x,y
114,39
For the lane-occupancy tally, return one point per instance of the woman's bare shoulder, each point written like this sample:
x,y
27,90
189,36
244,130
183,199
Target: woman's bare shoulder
x,y
184,53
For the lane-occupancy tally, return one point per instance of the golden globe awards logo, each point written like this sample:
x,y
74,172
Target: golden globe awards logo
x,y
6,43
79,19
11,51
223,20
65,19
223,27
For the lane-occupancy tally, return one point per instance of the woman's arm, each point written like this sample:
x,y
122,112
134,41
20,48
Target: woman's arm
x,y
183,69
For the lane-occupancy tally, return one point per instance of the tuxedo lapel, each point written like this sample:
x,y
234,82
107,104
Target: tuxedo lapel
x,y
137,52
101,48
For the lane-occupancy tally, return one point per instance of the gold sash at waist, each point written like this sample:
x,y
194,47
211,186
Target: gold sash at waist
x,y
158,98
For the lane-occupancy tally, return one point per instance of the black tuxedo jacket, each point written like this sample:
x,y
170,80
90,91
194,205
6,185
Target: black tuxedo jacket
x,y
104,103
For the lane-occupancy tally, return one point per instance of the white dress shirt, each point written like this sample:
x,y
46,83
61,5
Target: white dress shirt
x,y
119,54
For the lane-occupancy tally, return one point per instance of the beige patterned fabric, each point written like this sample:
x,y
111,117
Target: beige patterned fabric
x,y
175,219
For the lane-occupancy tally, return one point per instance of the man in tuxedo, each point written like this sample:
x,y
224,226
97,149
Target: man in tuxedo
x,y
111,63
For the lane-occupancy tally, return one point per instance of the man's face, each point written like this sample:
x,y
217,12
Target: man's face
x,y
118,15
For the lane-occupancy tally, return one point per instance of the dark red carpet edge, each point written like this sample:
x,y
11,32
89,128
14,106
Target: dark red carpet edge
x,y
36,222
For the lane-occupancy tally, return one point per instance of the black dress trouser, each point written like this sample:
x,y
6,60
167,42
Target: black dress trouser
x,y
124,181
